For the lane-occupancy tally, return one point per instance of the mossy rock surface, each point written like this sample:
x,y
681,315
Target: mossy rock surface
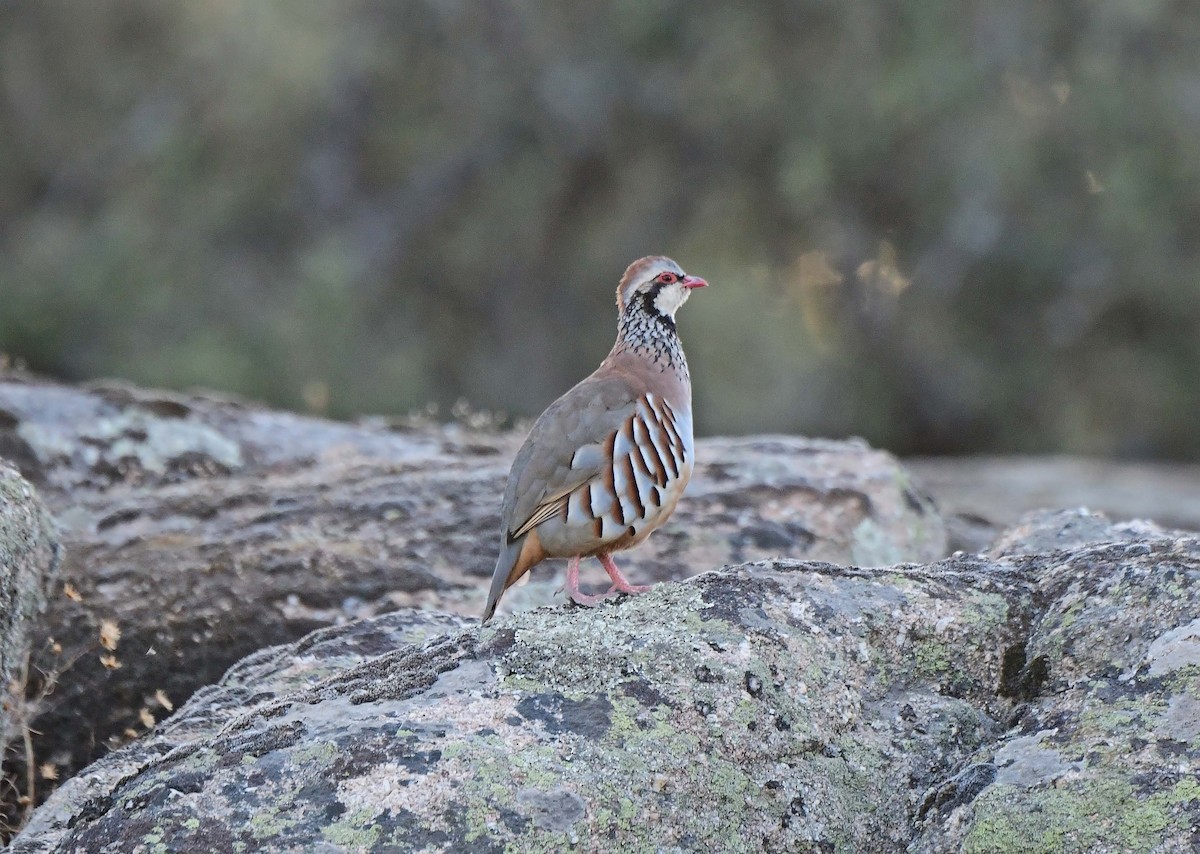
x,y
29,558
1023,702
208,528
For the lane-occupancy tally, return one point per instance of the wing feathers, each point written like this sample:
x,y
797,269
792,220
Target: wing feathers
x,y
541,514
604,456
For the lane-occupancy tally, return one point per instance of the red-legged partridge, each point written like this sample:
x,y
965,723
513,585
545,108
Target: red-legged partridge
x,y
606,463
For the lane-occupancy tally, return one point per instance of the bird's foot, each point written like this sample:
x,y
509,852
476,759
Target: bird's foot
x,y
586,600
628,589
575,594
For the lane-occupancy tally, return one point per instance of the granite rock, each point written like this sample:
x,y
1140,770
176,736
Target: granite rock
x,y
29,558
30,554
207,528
1036,700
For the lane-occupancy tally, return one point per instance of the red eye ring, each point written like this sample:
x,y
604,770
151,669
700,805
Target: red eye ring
x,y
667,278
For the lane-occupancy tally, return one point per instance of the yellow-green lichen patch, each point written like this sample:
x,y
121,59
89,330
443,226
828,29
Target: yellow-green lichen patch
x,y
153,842
322,752
1076,817
353,831
268,822
1185,680
1183,792
932,658
984,610
1122,716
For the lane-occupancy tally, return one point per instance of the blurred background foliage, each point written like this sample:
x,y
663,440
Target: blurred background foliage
x,y
946,227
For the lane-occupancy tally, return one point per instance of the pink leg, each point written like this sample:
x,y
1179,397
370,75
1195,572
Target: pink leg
x,y
573,591
620,582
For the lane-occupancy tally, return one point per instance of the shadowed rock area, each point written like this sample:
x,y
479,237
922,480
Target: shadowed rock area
x,y
207,528
1038,699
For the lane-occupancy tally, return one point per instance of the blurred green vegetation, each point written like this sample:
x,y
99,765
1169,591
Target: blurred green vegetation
x,y
948,228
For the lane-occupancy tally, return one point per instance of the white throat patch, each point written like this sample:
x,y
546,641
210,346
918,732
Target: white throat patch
x,y
670,298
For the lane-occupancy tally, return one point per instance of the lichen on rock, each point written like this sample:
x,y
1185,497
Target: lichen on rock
x,y
209,528
973,704
29,559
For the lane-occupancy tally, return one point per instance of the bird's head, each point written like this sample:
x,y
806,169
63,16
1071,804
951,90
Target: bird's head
x,y
657,286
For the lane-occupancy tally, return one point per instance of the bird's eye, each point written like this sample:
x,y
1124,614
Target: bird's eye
x,y
667,278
